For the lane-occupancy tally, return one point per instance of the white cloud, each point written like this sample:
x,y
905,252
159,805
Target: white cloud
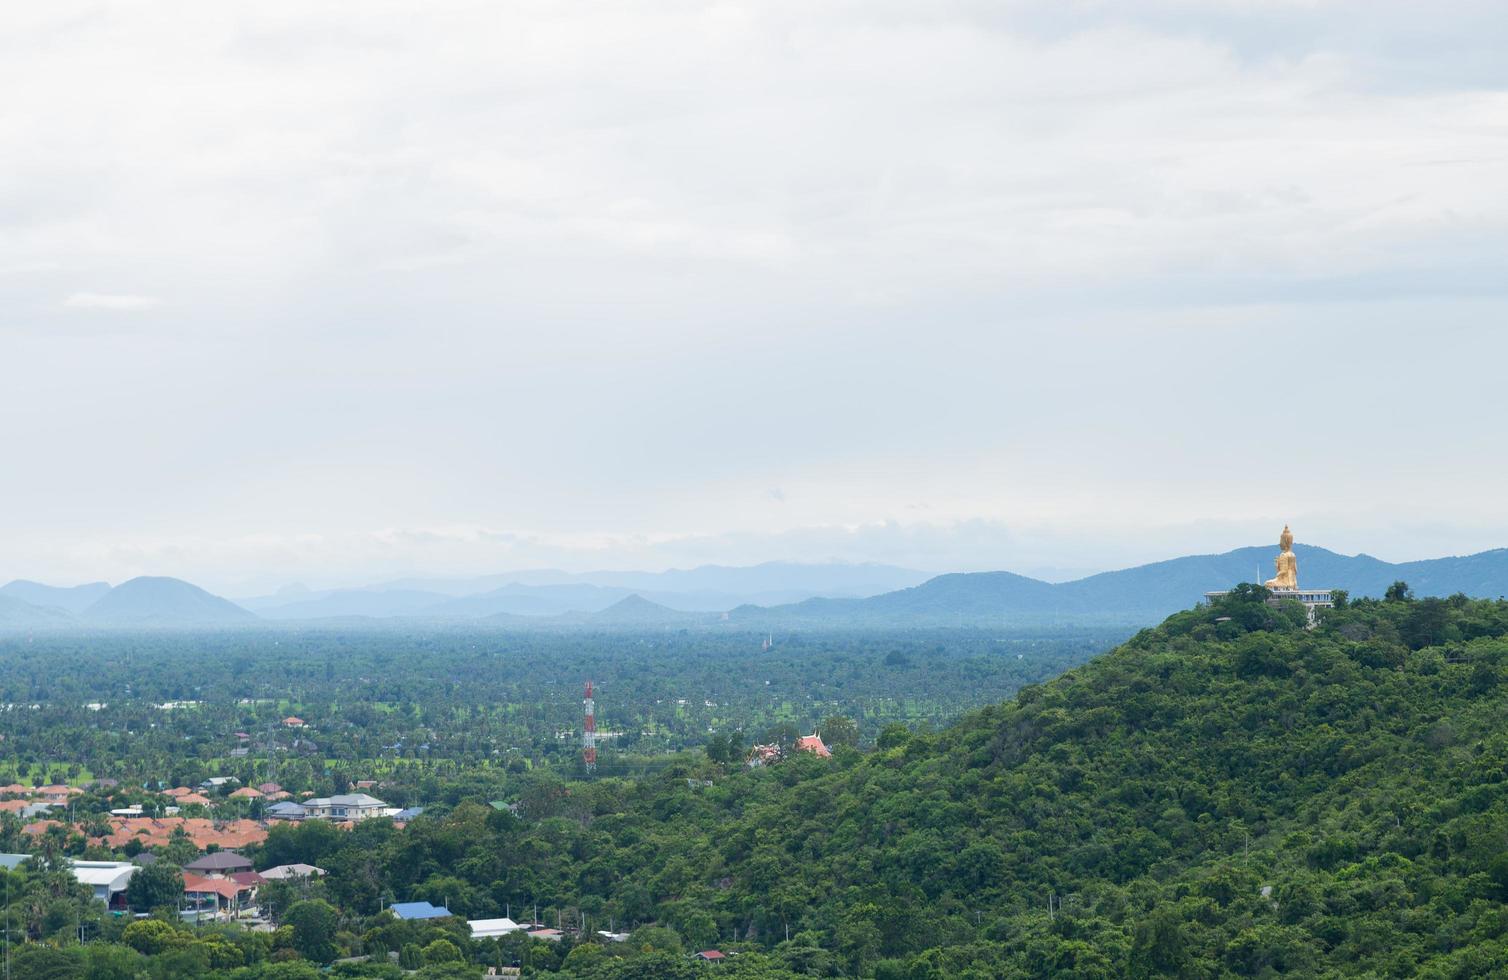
x,y
611,270
120,302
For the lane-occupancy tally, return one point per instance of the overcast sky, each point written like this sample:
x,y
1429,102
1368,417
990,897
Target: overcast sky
x,y
334,292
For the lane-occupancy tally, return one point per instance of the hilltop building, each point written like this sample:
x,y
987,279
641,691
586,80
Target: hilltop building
x,y
813,743
1285,584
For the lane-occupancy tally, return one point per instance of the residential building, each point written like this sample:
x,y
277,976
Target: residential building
x,y
418,910
286,871
346,806
220,863
285,810
492,928
215,896
107,878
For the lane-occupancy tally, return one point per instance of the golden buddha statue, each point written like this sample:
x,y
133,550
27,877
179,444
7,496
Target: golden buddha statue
x,y
1287,564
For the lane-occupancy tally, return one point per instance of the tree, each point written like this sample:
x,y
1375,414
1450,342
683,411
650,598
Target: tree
x,y
37,962
442,951
893,736
1425,624
726,748
314,924
1340,598
152,936
155,886
840,730
1398,592
108,961
1158,947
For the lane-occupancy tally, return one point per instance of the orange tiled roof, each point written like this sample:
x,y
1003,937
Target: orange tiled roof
x,y
812,744
39,827
195,799
246,793
152,832
177,791
224,887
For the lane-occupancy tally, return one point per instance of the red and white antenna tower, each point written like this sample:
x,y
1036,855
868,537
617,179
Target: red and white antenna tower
x,y
589,731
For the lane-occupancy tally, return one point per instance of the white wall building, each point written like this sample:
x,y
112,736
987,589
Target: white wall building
x,y
347,806
107,878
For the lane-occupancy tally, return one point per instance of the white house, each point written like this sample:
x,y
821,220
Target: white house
x,y
347,806
107,878
283,871
491,928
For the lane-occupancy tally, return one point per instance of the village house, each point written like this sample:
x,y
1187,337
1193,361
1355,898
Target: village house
x,y
286,810
216,897
108,879
346,806
218,864
284,872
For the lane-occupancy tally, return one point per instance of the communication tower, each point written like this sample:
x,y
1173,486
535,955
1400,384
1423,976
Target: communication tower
x,y
589,731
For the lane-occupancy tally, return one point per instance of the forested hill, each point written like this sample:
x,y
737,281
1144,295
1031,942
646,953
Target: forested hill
x,y
1227,794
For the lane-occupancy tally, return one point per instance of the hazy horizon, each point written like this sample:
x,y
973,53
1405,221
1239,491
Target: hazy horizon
x,y
1048,287
273,584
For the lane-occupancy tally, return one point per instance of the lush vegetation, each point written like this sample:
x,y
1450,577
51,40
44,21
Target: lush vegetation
x,y
428,707
1228,794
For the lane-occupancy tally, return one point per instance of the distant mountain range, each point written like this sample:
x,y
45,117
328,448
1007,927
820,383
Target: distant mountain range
x,y
775,595
1141,595
708,588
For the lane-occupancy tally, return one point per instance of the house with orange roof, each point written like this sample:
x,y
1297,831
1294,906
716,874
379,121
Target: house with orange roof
x,y
39,827
217,896
195,799
293,721
246,793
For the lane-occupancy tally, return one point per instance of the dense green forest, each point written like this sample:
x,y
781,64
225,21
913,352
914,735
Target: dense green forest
x,y
1228,794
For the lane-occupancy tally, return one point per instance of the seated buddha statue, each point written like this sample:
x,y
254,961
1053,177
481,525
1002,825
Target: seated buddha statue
x,y
1287,564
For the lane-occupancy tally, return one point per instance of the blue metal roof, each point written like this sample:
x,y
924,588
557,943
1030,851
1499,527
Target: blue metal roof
x,y
418,910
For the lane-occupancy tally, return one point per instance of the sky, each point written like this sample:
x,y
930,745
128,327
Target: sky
x,y
307,291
